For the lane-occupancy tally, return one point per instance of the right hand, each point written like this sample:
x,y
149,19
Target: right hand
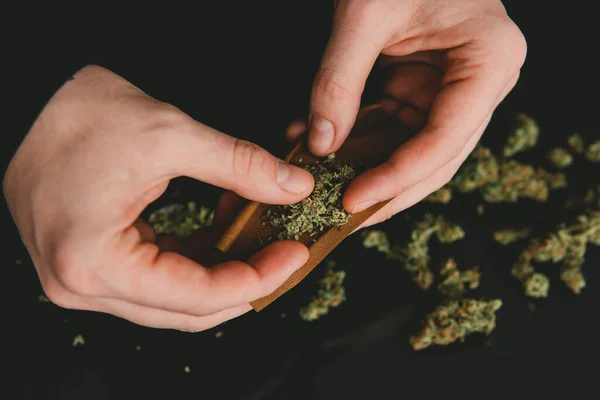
x,y
97,155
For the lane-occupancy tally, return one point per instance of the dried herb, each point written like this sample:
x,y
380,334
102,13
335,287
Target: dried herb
x,y
568,246
322,209
180,220
443,195
592,153
331,294
78,341
376,239
560,157
480,169
480,209
576,143
454,320
523,136
508,236
42,298
415,255
455,282
518,180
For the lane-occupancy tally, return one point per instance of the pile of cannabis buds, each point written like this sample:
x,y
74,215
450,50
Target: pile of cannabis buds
x,y
498,179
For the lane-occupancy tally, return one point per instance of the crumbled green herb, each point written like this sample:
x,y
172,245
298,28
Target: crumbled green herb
x,y
78,341
218,334
455,282
180,220
592,153
443,195
576,143
518,180
454,320
322,209
523,136
376,239
560,157
480,209
187,369
508,236
331,294
415,255
568,246
43,299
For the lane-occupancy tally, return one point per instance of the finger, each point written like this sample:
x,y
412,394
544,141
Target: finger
x,y
171,282
460,108
423,189
418,192
228,206
295,130
168,243
145,230
414,84
205,154
355,42
156,318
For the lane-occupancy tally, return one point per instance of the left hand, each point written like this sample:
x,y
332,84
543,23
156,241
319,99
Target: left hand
x,y
451,63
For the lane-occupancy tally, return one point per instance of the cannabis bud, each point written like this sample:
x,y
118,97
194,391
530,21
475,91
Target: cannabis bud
x,y
454,320
331,294
180,220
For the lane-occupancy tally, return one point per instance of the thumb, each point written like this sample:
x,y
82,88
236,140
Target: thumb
x,y
207,155
354,45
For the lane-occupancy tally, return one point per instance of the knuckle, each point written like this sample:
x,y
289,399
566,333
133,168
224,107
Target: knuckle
x,y
57,294
329,83
246,158
70,273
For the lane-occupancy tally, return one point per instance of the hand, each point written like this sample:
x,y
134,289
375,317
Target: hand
x,y
98,154
450,64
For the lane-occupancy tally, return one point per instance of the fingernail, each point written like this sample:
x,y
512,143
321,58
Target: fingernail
x,y
363,206
291,179
321,134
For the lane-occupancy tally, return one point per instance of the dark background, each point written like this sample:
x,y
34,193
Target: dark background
x,y
224,64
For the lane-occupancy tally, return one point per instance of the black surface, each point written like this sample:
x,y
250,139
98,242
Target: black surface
x,y
360,350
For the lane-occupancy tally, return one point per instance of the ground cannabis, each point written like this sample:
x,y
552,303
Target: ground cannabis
x,y
480,169
322,209
415,255
42,298
523,136
331,294
568,246
508,235
78,341
560,157
180,220
455,282
592,153
443,195
376,239
454,320
575,142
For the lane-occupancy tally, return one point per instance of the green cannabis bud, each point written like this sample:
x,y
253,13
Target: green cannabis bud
x,y
331,294
575,143
454,320
322,209
415,255
568,246
508,236
443,195
455,282
523,136
522,181
180,220
592,153
376,239
560,157
480,169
